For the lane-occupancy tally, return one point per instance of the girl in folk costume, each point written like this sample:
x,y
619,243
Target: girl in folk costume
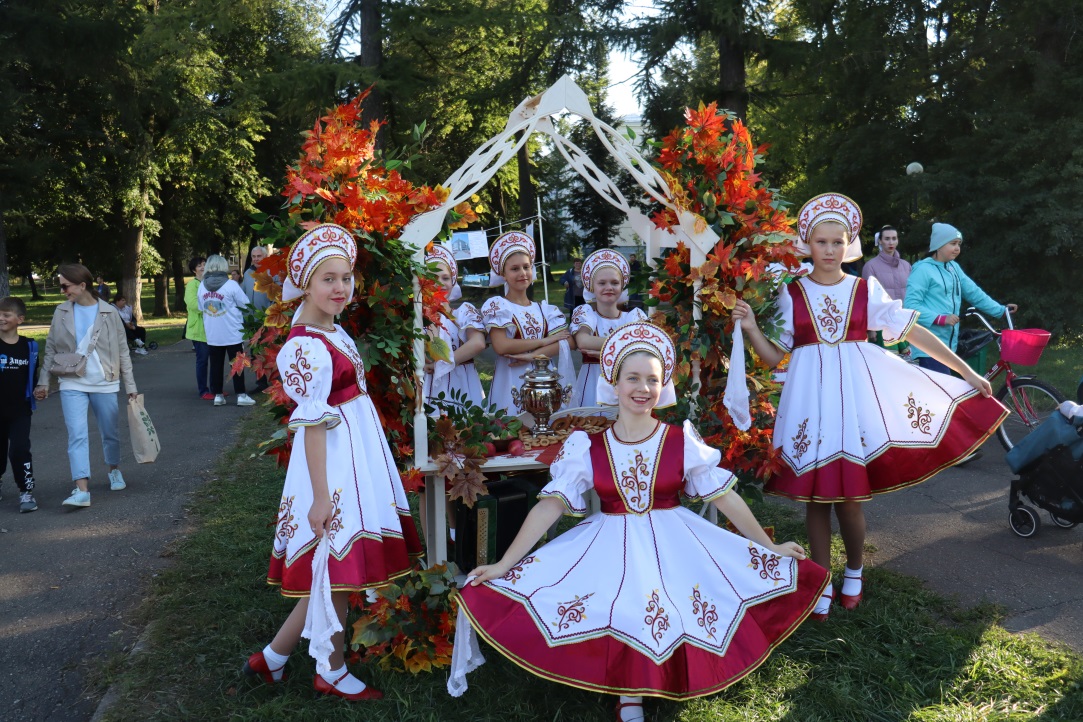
x,y
644,598
344,522
530,328
463,332
854,419
605,277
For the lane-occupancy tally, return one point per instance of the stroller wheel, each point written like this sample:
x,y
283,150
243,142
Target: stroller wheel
x,y
1024,521
152,345
1059,522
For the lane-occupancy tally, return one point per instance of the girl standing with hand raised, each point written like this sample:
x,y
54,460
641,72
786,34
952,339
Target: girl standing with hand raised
x,y
605,276
519,328
644,598
854,419
463,332
344,522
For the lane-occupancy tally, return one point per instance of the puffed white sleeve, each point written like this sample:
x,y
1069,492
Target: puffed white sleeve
x,y
495,314
888,315
584,318
554,318
468,316
637,314
305,367
572,475
703,479
783,320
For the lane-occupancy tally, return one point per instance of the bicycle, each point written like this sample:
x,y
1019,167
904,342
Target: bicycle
x,y
1028,399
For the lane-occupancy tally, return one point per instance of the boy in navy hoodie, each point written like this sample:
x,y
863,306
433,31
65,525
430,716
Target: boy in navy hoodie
x,y
18,362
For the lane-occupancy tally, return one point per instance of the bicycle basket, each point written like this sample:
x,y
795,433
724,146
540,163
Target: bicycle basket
x,y
1023,346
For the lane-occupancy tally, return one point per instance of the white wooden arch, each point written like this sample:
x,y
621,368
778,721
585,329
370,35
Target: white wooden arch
x,y
535,115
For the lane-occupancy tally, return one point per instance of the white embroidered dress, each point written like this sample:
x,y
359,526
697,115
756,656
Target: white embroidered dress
x,y
587,317
644,597
463,378
855,419
372,535
535,321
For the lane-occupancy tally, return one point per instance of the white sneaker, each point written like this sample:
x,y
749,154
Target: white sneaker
x,y
116,480
139,343
78,498
141,351
219,400
245,400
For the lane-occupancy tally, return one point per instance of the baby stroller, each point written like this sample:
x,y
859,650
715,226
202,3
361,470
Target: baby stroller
x,y
1049,462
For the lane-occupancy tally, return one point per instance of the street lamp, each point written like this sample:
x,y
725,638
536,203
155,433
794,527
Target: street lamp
x,y
914,169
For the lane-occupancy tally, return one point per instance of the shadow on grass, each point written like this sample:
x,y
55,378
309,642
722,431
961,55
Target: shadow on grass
x,y
905,654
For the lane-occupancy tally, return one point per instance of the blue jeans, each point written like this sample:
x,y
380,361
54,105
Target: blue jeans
x,y
930,364
74,404
202,355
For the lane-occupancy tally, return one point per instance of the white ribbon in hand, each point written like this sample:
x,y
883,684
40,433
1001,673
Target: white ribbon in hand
x,y
321,621
735,398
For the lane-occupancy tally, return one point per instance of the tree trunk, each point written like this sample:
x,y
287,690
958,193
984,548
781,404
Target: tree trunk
x,y
370,22
5,279
35,294
177,266
131,282
527,197
161,295
732,92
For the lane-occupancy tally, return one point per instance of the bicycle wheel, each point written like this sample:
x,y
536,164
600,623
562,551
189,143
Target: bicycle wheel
x,y
1029,403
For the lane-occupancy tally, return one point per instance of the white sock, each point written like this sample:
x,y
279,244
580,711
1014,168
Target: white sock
x,y
823,605
851,581
451,531
347,685
275,662
630,714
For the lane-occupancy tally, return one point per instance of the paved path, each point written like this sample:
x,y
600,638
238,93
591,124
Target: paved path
x,y
71,580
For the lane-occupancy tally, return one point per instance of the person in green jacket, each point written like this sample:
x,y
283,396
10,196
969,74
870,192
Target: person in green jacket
x,y
937,289
194,330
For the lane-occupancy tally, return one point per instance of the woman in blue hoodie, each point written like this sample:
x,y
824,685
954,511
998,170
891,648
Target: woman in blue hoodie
x,y
937,289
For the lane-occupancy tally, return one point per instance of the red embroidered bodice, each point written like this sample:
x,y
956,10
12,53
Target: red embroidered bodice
x,y
664,482
807,324
347,368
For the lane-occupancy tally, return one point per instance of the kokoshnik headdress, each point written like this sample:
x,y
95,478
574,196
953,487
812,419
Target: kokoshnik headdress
x,y
626,340
315,246
605,258
830,207
503,248
441,254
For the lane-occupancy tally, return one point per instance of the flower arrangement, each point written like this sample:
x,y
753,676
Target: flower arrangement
x,y
710,166
339,177
410,625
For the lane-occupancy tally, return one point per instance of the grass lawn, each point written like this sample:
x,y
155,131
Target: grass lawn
x,y
905,654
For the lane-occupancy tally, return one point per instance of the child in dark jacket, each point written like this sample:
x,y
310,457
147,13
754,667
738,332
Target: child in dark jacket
x,y
18,359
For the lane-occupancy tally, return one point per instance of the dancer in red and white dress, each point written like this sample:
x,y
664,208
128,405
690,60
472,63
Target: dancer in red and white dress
x,y
605,278
519,328
855,419
645,598
464,333
341,483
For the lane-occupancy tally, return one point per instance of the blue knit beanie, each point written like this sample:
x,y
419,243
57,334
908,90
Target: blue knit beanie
x,y
942,235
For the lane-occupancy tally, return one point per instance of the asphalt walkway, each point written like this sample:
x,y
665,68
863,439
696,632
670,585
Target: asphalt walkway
x,y
70,580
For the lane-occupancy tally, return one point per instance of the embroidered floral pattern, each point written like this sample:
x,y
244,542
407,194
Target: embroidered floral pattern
x,y
656,618
516,572
706,613
801,441
920,418
635,481
530,326
299,371
287,527
767,564
471,317
829,317
581,317
572,612
336,513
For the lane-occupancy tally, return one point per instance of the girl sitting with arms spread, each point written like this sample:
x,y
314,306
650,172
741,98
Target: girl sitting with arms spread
x,y
519,328
854,419
463,332
341,482
644,598
605,276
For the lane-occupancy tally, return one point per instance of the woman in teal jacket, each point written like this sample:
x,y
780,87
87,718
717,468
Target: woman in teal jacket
x,y
937,288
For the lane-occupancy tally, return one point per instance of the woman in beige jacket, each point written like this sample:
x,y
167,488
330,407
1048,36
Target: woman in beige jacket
x,y
92,327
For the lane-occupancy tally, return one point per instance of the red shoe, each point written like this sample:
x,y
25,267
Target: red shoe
x,y
368,693
847,601
622,705
257,665
817,616
207,396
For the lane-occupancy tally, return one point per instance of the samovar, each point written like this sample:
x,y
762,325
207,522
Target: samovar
x,y
541,394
